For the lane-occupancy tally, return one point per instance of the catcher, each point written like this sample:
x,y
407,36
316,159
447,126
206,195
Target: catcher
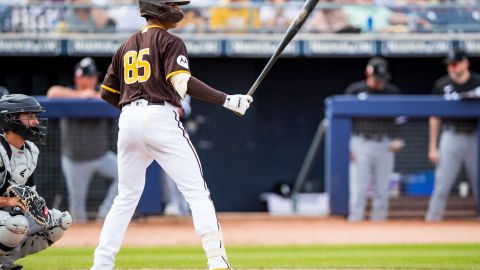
x,y
27,226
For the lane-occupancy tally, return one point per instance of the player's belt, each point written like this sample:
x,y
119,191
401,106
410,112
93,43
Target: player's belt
x,y
373,136
460,129
143,102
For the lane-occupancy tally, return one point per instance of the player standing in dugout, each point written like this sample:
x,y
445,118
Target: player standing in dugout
x,y
148,76
458,136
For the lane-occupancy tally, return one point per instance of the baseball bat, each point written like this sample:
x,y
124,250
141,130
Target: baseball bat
x,y
291,32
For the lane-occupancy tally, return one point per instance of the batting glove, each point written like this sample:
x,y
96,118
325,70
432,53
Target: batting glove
x,y
238,103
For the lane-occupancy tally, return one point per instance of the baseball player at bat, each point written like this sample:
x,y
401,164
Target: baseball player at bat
x,y
21,231
148,76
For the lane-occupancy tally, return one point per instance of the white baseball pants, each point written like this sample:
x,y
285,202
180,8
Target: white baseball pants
x,y
147,133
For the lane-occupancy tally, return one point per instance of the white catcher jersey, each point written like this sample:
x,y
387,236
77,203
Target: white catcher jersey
x,y
18,163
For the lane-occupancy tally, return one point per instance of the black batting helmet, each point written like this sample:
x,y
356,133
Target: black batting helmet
x,y
159,9
14,104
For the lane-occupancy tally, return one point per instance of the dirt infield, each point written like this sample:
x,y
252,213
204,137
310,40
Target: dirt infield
x,y
263,229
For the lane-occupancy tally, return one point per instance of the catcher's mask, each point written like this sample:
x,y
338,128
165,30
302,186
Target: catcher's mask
x,y
161,10
11,106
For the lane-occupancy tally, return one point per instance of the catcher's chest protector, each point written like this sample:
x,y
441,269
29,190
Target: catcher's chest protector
x,y
19,163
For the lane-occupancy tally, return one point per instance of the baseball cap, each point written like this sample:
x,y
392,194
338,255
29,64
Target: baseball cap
x,y
378,67
86,67
455,55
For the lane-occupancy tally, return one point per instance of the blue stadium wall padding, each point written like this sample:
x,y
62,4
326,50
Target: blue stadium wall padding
x,y
77,108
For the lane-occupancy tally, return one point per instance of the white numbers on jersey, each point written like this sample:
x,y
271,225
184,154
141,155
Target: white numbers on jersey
x,y
132,62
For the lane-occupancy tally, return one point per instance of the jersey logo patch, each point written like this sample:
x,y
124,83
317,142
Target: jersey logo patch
x,y
182,61
23,173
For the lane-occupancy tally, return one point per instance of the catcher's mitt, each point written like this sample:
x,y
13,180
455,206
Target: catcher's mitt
x,y
35,204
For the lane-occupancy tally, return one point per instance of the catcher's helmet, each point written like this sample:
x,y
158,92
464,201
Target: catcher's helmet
x,y
159,9
11,106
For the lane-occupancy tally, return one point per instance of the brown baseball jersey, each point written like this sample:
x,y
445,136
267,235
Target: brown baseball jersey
x,y
142,66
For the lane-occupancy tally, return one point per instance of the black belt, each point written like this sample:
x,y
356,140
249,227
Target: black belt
x,y
161,103
456,129
373,136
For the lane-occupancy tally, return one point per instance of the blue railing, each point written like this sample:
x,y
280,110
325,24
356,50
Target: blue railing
x,y
77,108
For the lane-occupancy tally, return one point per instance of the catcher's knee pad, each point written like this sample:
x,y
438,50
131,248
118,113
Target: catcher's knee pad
x,y
213,244
61,219
12,231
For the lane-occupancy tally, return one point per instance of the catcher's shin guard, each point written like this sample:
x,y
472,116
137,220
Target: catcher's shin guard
x,y
33,244
58,223
60,219
12,231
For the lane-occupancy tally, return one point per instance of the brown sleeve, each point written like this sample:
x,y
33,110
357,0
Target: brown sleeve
x,y
110,97
112,80
111,84
175,58
201,91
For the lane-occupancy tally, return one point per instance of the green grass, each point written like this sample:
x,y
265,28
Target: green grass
x,y
415,256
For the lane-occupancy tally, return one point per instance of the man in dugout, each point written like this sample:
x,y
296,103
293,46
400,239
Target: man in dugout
x,y
458,140
372,147
84,155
